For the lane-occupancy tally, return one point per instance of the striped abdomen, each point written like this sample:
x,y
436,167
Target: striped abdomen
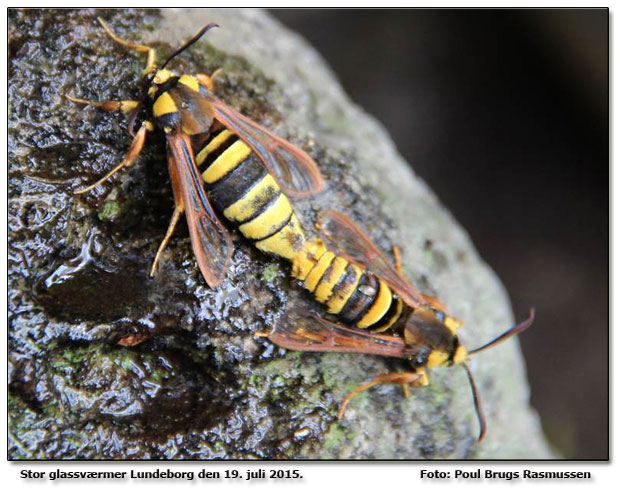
x,y
349,291
243,191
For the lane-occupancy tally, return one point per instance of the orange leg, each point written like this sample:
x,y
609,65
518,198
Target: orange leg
x,y
108,105
405,390
209,80
134,151
404,379
397,261
178,211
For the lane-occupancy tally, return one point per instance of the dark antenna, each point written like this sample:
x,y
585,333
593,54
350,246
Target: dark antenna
x,y
477,404
201,33
511,332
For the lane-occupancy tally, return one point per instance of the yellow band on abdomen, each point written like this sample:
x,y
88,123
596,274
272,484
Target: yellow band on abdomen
x,y
342,294
213,145
393,319
379,307
307,258
269,221
331,277
259,195
286,243
318,270
226,162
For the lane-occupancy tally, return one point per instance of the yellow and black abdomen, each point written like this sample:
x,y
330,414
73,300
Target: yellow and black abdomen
x,y
244,192
349,291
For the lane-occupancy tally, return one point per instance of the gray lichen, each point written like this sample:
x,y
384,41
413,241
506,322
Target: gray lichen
x,y
202,386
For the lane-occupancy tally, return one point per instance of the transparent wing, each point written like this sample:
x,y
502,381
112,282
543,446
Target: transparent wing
x,y
344,237
296,172
211,241
307,331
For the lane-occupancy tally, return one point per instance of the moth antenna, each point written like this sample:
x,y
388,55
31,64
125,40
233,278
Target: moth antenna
x,y
511,332
201,33
477,404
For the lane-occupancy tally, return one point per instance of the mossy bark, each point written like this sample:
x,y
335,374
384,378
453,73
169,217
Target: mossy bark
x,y
202,386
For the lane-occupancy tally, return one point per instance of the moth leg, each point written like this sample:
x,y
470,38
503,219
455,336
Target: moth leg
x,y
108,105
405,390
397,260
140,48
416,378
134,151
209,80
179,208
178,211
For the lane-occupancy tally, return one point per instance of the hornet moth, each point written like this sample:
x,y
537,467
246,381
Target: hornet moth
x,y
184,107
370,293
